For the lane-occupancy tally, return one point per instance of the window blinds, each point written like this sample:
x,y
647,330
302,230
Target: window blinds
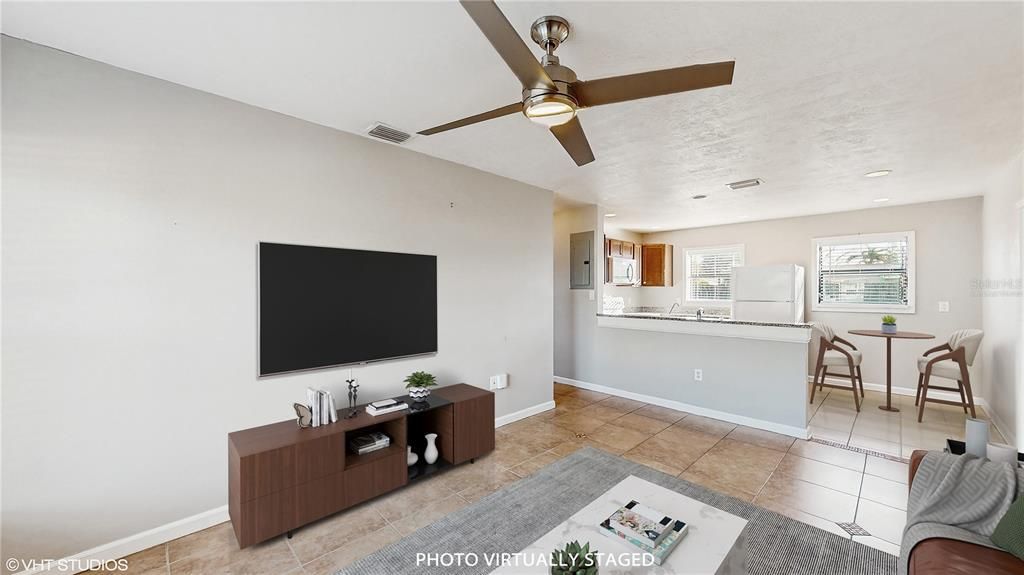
x,y
709,273
871,272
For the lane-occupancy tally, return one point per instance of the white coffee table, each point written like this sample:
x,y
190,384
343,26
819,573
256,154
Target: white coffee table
x,y
712,532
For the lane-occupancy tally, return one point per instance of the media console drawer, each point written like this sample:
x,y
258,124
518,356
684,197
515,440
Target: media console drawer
x,y
281,477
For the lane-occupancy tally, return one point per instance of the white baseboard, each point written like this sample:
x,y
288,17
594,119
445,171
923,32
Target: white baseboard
x,y
523,413
138,542
792,431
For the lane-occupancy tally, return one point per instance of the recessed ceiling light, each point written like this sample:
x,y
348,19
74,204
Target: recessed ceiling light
x,y
745,184
877,173
610,215
881,200
700,196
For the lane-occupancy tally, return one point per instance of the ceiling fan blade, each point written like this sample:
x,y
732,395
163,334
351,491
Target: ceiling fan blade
x,y
656,83
493,23
572,138
496,113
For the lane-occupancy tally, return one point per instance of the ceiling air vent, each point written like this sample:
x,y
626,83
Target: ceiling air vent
x,y
745,184
388,134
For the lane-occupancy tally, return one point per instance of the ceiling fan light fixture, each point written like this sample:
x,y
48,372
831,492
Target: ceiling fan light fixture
x,y
549,109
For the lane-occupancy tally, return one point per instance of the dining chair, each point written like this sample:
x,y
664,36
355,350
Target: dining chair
x,y
960,350
834,351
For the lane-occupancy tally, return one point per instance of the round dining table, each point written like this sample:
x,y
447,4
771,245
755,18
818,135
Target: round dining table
x,y
888,356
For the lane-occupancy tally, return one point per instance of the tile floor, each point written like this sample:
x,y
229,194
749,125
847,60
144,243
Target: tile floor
x,y
818,484
834,418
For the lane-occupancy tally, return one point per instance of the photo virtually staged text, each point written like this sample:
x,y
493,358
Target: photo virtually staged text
x,y
524,559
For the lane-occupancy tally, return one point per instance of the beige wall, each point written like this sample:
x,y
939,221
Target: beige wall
x,y
132,210
1001,299
948,241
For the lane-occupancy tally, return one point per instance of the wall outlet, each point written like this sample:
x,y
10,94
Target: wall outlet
x,y
698,375
944,306
499,381
590,295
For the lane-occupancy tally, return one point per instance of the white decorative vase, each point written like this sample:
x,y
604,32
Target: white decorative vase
x,y
418,394
430,454
411,457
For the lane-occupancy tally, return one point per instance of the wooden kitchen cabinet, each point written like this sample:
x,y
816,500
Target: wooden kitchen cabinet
x,y
619,249
656,265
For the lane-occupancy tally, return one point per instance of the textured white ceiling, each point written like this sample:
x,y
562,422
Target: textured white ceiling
x,y
823,92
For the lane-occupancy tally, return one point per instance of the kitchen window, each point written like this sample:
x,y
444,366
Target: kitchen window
x,y
709,273
868,272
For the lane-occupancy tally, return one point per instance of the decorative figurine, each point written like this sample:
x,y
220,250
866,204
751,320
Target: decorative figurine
x,y
353,397
304,416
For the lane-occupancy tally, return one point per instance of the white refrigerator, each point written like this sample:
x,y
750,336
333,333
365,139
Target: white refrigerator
x,y
768,293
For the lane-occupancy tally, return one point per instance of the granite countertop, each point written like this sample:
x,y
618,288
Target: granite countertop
x,y
707,321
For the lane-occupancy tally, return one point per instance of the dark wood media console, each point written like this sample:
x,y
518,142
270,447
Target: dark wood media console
x,y
281,477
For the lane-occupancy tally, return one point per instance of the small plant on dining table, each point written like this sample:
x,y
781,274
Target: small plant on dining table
x,y
888,324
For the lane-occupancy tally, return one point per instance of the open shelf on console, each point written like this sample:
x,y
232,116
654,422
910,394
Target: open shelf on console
x,y
395,429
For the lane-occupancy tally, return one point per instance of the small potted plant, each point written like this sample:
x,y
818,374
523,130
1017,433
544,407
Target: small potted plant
x,y
888,324
574,560
419,383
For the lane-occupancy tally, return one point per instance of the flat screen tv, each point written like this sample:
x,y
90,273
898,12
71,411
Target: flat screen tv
x,y
324,307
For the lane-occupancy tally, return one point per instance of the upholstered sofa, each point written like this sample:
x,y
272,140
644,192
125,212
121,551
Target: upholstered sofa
x,y
950,557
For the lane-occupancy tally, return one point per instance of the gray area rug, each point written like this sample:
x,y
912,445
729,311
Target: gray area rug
x,y
510,519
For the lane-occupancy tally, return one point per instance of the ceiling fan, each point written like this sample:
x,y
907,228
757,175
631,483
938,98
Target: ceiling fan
x,y
552,94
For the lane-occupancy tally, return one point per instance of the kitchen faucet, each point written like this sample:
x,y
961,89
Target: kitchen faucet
x,y
670,310
700,313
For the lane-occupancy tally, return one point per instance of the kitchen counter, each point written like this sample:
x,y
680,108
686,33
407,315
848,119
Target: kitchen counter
x,y
714,327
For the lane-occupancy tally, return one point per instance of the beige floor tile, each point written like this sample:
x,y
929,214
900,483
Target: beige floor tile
x,y
622,403
347,554
693,439
567,447
761,438
603,412
803,517
587,442
542,435
531,466
877,445
571,402
828,454
587,395
429,513
487,485
215,550
716,484
146,562
739,465
668,455
641,423
829,434
814,499
577,422
887,429
618,437
467,475
906,450
887,469
884,491
820,473
332,532
881,521
879,544
834,419
661,413
397,504
706,425
510,452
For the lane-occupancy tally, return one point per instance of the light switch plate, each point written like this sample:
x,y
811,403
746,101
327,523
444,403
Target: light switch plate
x,y
698,375
944,306
590,294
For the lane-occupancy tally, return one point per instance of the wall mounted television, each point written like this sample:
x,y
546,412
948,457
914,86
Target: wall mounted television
x,y
325,307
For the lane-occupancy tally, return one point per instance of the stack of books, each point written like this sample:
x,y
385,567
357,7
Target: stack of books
x,y
385,406
370,442
321,407
648,530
